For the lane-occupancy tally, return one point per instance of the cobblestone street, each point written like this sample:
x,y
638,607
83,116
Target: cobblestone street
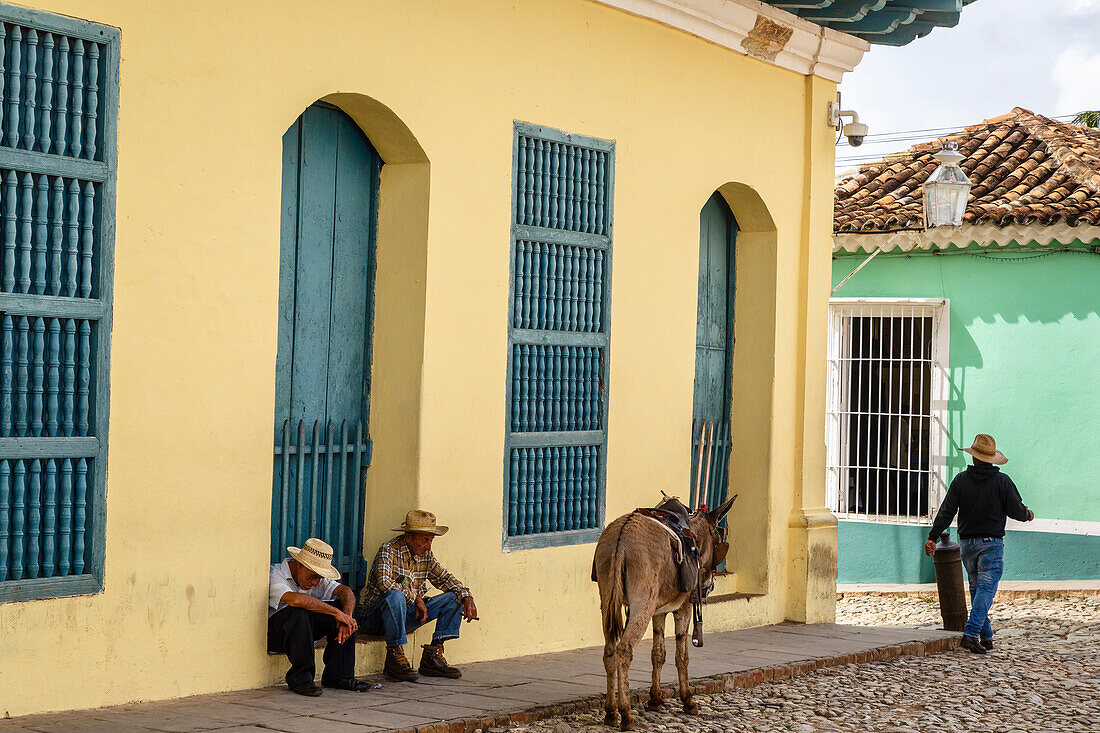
x,y
1043,675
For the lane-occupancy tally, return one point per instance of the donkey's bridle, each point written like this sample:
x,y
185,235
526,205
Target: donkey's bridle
x,y
718,554
721,547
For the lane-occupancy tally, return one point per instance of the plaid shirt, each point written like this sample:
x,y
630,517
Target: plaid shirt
x,y
396,568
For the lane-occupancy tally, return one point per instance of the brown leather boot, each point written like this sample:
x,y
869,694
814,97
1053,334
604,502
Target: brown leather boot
x,y
397,665
432,663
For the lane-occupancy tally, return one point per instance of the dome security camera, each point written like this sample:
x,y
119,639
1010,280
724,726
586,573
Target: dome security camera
x,y
855,132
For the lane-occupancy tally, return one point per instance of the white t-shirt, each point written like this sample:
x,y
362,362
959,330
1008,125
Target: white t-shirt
x,y
282,583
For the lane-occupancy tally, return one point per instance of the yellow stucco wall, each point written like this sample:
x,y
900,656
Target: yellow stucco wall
x,y
206,92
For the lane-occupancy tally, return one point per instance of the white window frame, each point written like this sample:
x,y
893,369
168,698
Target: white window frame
x,y
838,389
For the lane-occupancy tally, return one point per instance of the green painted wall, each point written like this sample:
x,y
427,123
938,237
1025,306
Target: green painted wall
x,y
894,553
1024,353
882,553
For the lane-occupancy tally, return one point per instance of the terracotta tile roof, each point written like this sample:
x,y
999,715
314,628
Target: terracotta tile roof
x,y
1026,169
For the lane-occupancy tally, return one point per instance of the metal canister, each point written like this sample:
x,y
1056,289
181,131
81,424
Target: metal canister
x,y
947,561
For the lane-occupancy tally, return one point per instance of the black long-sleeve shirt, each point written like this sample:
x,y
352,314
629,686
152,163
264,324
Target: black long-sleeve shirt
x,y
983,497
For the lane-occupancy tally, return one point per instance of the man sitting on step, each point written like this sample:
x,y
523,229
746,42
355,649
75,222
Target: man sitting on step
x,y
394,602
305,604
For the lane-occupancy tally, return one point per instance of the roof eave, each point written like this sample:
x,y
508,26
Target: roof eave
x,y
967,235
759,30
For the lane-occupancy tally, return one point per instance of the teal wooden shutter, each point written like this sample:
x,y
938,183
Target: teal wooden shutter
x,y
713,352
558,338
58,110
326,304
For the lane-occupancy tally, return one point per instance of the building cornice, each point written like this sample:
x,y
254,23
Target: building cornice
x,y
755,29
968,235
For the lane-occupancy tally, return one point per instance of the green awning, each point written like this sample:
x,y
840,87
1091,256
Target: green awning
x,y
885,22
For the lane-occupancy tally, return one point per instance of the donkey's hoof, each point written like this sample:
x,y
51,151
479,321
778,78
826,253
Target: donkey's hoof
x,y
610,719
691,707
627,723
655,703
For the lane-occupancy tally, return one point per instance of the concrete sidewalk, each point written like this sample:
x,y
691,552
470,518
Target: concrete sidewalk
x,y
1006,589
498,693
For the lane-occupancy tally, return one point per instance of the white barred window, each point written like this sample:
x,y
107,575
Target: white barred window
x,y
887,397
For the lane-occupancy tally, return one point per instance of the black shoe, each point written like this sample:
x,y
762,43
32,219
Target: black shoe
x,y
309,689
987,643
348,683
432,663
397,665
969,642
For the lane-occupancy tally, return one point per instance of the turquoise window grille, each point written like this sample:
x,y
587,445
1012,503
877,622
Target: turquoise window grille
x,y
558,338
58,108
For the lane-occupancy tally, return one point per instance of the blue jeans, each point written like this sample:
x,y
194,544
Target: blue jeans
x,y
392,616
983,558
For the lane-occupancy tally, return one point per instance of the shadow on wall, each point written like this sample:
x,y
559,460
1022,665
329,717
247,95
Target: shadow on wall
x,y
965,357
1024,328
990,286
1002,286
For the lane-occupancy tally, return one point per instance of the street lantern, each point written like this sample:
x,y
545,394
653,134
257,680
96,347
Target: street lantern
x,y
946,190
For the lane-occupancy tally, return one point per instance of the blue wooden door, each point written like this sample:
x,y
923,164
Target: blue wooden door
x,y
713,351
326,298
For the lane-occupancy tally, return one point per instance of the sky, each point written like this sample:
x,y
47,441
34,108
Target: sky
x,y
1043,55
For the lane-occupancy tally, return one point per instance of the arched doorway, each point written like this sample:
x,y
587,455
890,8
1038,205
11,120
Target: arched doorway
x,y
714,337
326,306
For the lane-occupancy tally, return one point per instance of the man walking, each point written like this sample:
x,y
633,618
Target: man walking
x,y
983,497
306,603
394,599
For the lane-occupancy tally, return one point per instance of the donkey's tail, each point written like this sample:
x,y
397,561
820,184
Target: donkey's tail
x,y
613,610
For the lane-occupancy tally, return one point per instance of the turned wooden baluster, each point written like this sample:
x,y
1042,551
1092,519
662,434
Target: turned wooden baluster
x,y
91,105
49,529
44,141
38,376
30,98
72,239
7,375
15,73
26,232
87,240
5,517
57,233
65,519
61,139
34,518
80,515
41,233
84,379
76,133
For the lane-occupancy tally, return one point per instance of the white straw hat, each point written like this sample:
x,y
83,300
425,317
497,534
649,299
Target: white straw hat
x,y
317,556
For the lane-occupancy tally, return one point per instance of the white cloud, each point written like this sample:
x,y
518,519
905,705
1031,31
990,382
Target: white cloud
x,y
1075,75
1084,7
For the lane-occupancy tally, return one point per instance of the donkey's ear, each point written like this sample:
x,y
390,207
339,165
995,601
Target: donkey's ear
x,y
719,512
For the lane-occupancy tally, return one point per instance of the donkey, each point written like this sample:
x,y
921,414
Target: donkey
x,y
635,568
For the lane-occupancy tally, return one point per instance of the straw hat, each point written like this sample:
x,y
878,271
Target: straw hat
x,y
422,523
317,556
985,449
